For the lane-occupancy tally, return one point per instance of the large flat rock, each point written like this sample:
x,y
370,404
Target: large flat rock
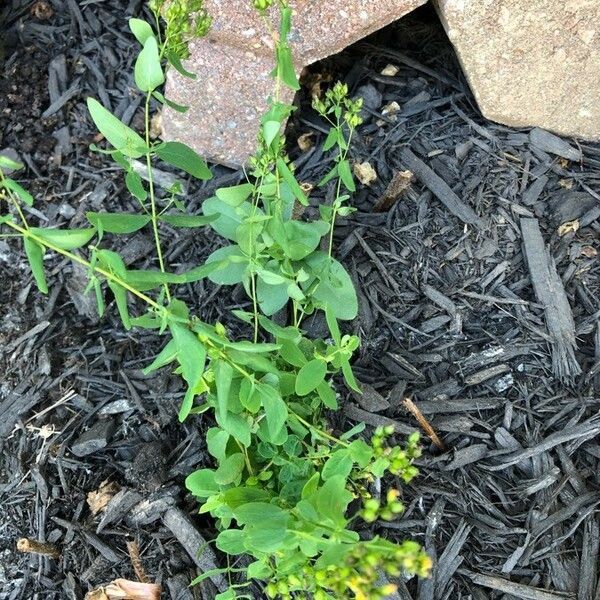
x,y
531,62
233,63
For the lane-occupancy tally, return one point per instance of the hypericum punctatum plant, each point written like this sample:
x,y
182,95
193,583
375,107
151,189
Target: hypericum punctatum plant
x,y
284,490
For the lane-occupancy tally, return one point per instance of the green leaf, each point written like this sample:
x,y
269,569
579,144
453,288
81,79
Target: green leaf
x,y
249,396
9,163
229,217
191,356
275,408
118,134
310,376
231,542
331,139
333,499
183,157
223,376
117,222
176,63
303,238
202,483
66,239
230,470
236,426
289,178
148,71
285,67
135,186
232,265
339,463
180,108
235,194
327,395
349,377
361,453
253,348
270,130
188,220
141,30
346,175
260,513
113,263
216,442
332,324
151,279
333,173
235,497
291,353
271,298
335,288
17,189
259,570
35,256
207,574
166,356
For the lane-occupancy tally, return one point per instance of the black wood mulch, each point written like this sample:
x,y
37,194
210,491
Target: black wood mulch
x,y
478,279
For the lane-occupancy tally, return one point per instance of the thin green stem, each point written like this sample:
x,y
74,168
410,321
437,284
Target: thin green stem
x,y
318,431
14,201
153,214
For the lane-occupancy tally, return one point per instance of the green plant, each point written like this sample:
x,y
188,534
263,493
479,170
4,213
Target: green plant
x,y
285,490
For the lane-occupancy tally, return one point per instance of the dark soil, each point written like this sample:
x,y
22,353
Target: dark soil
x,y
475,303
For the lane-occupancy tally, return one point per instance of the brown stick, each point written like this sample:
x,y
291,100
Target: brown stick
x,y
34,547
134,555
424,423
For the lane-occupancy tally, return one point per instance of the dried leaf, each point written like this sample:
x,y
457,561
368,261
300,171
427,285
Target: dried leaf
x,y
365,173
568,227
98,499
391,109
390,70
589,251
306,141
124,589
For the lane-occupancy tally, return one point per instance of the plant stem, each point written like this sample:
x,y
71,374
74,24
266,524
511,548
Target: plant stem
x,y
14,201
318,431
154,215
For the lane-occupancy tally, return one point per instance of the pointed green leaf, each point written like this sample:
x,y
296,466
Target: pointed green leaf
x,y
180,108
176,63
117,222
289,178
191,356
148,71
17,189
141,30
275,408
66,239
166,356
236,194
35,256
135,185
346,175
183,157
117,133
310,376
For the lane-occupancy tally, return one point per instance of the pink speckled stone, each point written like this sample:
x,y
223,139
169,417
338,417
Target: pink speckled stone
x,y
233,63
531,62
